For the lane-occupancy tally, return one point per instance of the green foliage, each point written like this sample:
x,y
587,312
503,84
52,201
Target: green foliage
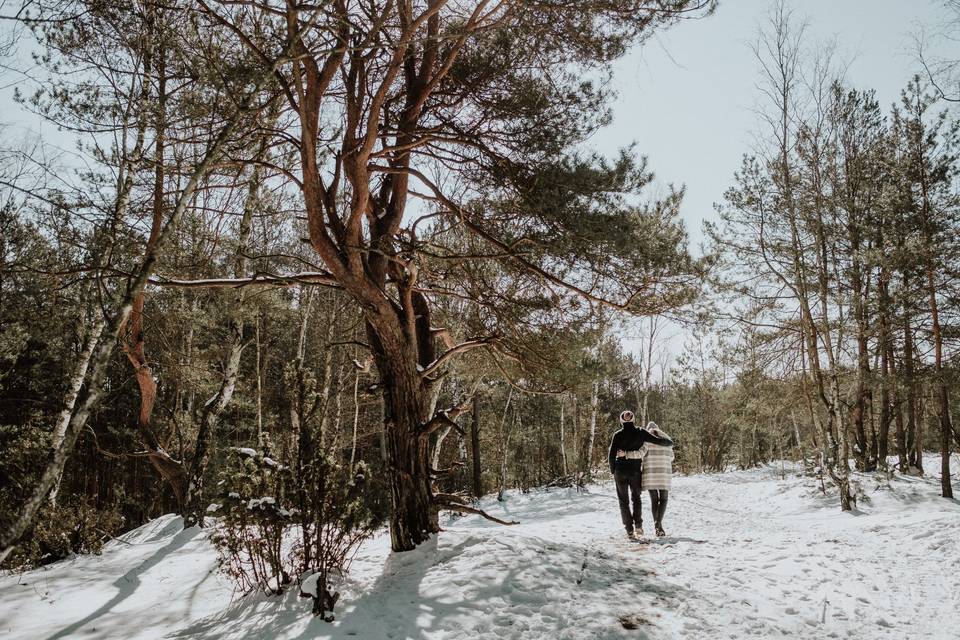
x,y
77,525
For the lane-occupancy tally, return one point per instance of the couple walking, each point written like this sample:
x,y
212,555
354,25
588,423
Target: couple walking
x,y
641,459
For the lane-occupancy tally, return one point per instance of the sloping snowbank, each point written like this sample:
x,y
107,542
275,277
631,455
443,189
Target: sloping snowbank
x,y
143,584
751,554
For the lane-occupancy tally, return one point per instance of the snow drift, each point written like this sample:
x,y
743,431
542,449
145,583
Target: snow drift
x,y
750,554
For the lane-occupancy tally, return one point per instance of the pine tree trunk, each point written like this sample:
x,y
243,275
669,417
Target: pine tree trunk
x,y
886,416
504,446
356,420
475,445
259,374
942,393
946,488
133,341
912,426
576,431
399,353
505,450
594,400
796,435
413,517
563,446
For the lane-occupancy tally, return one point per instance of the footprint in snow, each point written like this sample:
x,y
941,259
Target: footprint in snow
x,y
632,621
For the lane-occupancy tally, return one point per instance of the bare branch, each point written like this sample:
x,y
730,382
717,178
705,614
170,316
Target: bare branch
x,y
451,505
256,280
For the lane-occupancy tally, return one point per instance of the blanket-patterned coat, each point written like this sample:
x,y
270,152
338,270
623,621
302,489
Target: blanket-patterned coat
x,y
657,466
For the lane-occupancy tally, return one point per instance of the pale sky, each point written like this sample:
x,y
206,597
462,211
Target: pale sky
x,y
687,97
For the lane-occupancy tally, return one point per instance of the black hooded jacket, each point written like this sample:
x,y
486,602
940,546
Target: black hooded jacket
x,y
630,438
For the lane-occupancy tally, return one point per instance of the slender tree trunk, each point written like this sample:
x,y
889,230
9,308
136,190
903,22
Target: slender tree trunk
x,y
885,349
442,437
912,434
504,446
796,435
823,448
505,449
940,386
338,411
438,446
647,371
594,401
475,445
259,374
462,459
576,432
563,446
356,419
327,379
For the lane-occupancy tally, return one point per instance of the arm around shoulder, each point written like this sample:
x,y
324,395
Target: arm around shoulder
x,y
663,442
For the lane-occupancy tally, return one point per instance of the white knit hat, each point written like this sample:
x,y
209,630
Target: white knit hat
x,y
626,416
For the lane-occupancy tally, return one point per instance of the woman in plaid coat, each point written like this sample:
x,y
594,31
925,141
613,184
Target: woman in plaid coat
x,y
657,471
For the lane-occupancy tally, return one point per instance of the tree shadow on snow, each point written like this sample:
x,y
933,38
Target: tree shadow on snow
x,y
128,583
409,599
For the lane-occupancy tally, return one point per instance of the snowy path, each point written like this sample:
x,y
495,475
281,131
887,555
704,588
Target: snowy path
x,y
751,555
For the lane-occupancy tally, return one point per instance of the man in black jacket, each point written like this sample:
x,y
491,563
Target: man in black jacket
x,y
626,466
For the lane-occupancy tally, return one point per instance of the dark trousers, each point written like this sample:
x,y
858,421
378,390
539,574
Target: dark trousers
x,y
628,487
658,505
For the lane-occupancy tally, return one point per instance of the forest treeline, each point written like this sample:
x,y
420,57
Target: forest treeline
x,y
325,268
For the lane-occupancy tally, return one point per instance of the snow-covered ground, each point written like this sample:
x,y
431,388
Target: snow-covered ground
x,y
750,555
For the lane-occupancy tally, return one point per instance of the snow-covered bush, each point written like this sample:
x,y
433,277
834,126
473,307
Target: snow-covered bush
x,y
274,524
254,515
334,520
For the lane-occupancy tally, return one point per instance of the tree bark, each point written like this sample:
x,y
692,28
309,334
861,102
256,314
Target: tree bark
x,y
940,385
356,419
563,445
401,352
475,445
504,446
886,374
912,426
594,400
259,374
